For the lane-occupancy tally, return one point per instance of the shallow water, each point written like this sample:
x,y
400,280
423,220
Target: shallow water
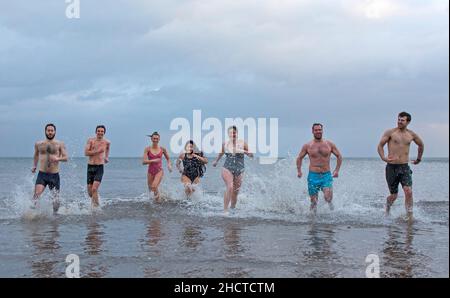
x,y
271,234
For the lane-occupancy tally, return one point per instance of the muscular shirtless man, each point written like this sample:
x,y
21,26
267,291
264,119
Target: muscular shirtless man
x,y
97,150
48,153
397,169
319,177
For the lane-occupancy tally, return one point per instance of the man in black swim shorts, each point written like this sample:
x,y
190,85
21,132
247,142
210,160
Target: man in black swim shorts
x,y
97,149
48,153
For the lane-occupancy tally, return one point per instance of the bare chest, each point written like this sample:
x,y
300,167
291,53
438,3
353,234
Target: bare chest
x,y
399,139
95,144
319,150
48,148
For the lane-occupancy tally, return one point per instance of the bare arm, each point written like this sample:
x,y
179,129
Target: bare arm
x,y
88,150
219,156
166,155
421,148
178,164
35,158
145,160
249,154
338,155
63,157
384,139
108,146
300,158
203,159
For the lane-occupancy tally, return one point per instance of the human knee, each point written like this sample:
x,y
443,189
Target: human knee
x,y
408,192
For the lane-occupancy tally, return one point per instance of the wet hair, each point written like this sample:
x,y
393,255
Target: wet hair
x,y
405,114
194,147
50,125
100,126
317,124
234,127
155,134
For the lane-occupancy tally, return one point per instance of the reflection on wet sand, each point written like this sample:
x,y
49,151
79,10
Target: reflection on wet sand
x,y
93,243
400,255
192,237
94,238
44,240
150,245
233,249
320,256
154,232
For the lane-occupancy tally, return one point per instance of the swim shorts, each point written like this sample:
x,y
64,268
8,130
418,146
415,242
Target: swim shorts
x,y
94,173
48,179
319,181
398,174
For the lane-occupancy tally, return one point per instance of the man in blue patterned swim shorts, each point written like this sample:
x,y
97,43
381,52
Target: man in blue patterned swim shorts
x,y
319,177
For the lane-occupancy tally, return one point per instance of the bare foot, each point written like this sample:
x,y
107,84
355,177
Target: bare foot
x,y
388,208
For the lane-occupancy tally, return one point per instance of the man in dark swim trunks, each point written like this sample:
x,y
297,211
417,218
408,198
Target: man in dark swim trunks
x,y
48,153
397,168
97,149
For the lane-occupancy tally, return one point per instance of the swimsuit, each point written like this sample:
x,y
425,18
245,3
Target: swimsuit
x,y
398,173
319,181
234,163
94,173
52,180
155,167
193,168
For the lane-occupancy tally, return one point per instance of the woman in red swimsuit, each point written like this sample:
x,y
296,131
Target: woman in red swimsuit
x,y
153,158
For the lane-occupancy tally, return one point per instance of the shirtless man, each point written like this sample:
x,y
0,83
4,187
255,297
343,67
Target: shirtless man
x,y
48,153
397,169
97,149
319,177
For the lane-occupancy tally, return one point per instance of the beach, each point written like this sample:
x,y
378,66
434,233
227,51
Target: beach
x,y
270,234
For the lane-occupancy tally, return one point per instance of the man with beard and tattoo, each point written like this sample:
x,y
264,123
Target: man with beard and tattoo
x,y
319,177
48,153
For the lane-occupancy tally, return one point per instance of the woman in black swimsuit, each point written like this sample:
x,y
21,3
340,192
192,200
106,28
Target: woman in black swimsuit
x,y
193,167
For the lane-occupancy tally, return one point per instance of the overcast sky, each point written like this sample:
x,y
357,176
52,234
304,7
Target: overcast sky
x,y
134,65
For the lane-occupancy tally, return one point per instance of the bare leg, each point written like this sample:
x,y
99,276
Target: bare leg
x,y
389,202
155,186
328,194
55,200
228,179
89,190
236,187
94,194
314,199
38,190
408,201
187,185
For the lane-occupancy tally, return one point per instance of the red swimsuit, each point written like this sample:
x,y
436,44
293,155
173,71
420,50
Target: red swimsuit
x,y
155,167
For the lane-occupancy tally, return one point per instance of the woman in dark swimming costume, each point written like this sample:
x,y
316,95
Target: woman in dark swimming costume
x,y
233,168
193,167
153,158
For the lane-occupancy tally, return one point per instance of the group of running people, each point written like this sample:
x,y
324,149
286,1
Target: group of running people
x,y
192,164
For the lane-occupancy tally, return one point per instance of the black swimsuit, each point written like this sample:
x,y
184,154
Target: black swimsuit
x,y
234,163
192,167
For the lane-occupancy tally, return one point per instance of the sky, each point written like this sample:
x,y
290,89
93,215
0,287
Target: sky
x,y
135,65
